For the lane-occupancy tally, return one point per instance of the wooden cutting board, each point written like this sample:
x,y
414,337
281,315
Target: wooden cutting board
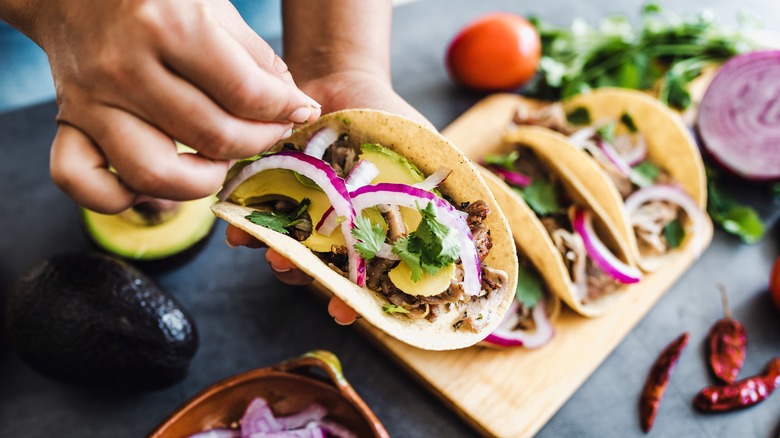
x,y
483,385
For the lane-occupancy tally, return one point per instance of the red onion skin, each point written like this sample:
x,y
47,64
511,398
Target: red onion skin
x,y
617,272
739,116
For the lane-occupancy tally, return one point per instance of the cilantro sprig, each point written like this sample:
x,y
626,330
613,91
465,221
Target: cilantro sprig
x,y
666,47
737,219
370,237
504,161
529,286
280,222
542,196
430,247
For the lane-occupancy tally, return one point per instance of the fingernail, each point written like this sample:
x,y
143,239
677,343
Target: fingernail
x,y
230,244
287,134
301,115
281,271
344,323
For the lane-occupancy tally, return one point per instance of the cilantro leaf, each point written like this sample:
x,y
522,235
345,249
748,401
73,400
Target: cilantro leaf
x,y
370,237
506,161
541,196
739,220
579,116
644,174
628,122
674,233
430,247
607,132
529,286
392,308
279,222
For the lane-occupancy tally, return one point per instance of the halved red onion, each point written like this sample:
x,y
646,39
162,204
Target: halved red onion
x,y
513,178
408,196
614,157
327,179
507,336
601,255
363,173
674,195
434,179
739,116
319,141
636,152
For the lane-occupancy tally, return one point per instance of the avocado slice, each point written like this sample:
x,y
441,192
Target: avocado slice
x,y
149,234
96,321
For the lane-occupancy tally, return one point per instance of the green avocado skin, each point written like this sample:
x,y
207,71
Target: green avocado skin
x,y
96,321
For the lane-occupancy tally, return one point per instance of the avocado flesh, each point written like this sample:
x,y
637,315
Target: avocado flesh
x,y
96,321
129,237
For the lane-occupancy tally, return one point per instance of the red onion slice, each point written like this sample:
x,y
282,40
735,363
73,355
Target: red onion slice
x,y
311,431
601,255
634,153
614,157
677,196
362,174
319,142
507,336
387,252
335,429
258,417
434,180
313,412
513,178
218,433
327,179
582,136
408,196
739,115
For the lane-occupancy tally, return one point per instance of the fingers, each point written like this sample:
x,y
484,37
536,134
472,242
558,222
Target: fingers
x,y
235,236
218,64
341,312
285,270
146,159
184,112
80,169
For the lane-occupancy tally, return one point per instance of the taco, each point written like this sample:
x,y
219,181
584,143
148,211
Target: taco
x,y
582,259
529,321
651,158
387,215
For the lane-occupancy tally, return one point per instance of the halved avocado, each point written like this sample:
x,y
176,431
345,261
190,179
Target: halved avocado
x,y
137,235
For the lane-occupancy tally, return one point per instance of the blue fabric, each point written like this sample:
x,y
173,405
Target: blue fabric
x,y
25,77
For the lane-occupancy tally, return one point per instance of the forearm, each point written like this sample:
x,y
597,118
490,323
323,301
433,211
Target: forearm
x,y
324,37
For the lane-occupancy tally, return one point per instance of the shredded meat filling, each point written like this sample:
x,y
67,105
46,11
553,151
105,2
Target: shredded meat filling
x,y
341,156
550,116
649,221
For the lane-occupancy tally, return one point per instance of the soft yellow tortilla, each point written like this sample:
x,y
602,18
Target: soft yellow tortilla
x,y
530,234
670,145
428,150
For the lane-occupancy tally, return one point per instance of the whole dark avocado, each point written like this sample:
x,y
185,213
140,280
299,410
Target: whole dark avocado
x,y
93,320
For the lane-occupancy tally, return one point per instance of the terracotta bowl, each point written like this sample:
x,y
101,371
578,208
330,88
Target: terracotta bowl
x,y
289,387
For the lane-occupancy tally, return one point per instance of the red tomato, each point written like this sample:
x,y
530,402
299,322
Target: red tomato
x,y
774,282
499,51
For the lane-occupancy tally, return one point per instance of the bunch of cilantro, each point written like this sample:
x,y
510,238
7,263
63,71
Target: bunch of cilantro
x,y
666,49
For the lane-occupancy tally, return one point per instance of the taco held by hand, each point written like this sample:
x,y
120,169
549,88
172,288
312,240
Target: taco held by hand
x,y
651,158
584,261
387,215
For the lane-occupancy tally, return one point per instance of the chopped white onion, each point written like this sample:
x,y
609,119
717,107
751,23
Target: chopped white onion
x,y
362,174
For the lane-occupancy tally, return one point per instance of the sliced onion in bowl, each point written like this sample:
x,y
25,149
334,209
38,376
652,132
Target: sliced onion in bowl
x,y
407,196
319,142
673,195
434,180
327,179
513,178
362,174
505,335
601,255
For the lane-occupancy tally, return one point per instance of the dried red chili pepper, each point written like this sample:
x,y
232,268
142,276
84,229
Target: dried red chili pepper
x,y
658,380
727,344
742,394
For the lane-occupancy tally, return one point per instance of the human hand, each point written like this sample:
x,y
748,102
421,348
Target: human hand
x,y
132,76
